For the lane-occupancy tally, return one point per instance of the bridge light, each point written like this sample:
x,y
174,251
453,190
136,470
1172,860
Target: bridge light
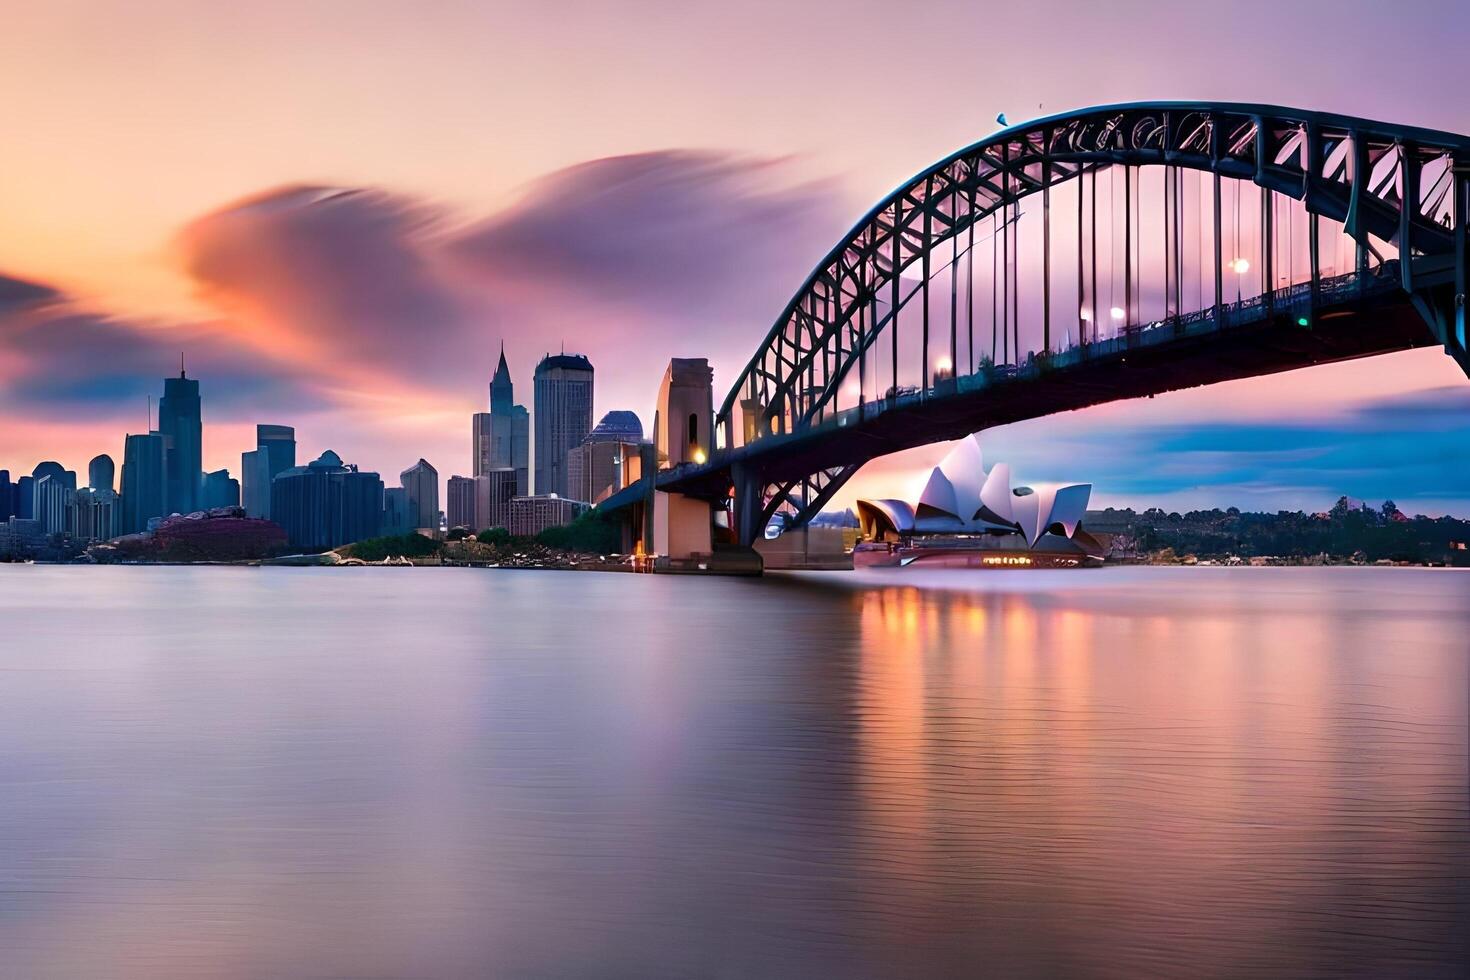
x,y
1085,314
1117,313
1302,321
1240,266
699,456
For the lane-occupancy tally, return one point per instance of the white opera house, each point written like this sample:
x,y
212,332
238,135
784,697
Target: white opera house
x,y
969,517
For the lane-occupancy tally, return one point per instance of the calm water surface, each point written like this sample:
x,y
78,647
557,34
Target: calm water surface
x,y
469,773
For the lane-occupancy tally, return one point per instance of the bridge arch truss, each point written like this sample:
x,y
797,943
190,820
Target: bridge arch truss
x,y
1399,196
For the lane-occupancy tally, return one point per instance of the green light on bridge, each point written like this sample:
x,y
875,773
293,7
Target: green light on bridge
x,y
1302,321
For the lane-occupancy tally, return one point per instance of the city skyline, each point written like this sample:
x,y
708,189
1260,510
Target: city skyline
x,y
433,222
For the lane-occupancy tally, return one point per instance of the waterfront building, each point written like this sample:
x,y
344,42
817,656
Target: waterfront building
x,y
274,452
461,502
180,425
7,496
595,469
326,503
21,538
494,491
220,490
100,472
95,514
529,516
397,518
421,481
563,410
967,516
143,483
502,436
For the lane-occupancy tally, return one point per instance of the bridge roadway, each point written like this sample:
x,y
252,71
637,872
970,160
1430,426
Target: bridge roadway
x,y
1356,317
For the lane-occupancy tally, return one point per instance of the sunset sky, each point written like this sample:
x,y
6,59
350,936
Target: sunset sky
x,y
338,211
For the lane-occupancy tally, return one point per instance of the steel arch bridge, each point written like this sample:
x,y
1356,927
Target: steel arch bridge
x,y
1122,251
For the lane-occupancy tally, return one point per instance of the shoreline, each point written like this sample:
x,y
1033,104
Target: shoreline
x,y
622,568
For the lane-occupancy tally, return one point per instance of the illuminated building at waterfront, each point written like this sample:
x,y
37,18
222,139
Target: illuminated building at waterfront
x,y
968,516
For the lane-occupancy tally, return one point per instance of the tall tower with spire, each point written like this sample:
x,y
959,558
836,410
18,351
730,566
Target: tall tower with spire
x,y
180,424
502,436
502,391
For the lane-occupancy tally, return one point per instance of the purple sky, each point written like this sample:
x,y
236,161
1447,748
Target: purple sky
x,y
339,210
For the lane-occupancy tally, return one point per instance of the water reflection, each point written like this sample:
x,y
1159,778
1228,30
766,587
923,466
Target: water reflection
x,y
235,773
1275,783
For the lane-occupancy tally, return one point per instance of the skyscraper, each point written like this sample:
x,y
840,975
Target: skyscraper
x,y
52,498
143,482
219,490
326,503
502,436
563,405
7,496
274,452
50,484
396,518
255,483
180,425
21,497
493,493
100,472
460,504
422,483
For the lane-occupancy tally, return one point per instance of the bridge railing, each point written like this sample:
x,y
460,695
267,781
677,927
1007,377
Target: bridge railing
x,y
1296,301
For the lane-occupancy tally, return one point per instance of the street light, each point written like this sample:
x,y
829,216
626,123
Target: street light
x,y
1240,267
1117,313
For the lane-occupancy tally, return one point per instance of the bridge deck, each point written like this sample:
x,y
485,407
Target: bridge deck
x,y
1355,318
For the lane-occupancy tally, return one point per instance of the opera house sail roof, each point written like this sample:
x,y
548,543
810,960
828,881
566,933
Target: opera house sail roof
x,y
961,498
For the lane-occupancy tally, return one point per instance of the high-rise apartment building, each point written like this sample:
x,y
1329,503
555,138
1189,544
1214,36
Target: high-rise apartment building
x,y
563,417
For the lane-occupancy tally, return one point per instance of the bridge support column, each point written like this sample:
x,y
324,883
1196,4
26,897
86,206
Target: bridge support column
x,y
747,511
684,542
